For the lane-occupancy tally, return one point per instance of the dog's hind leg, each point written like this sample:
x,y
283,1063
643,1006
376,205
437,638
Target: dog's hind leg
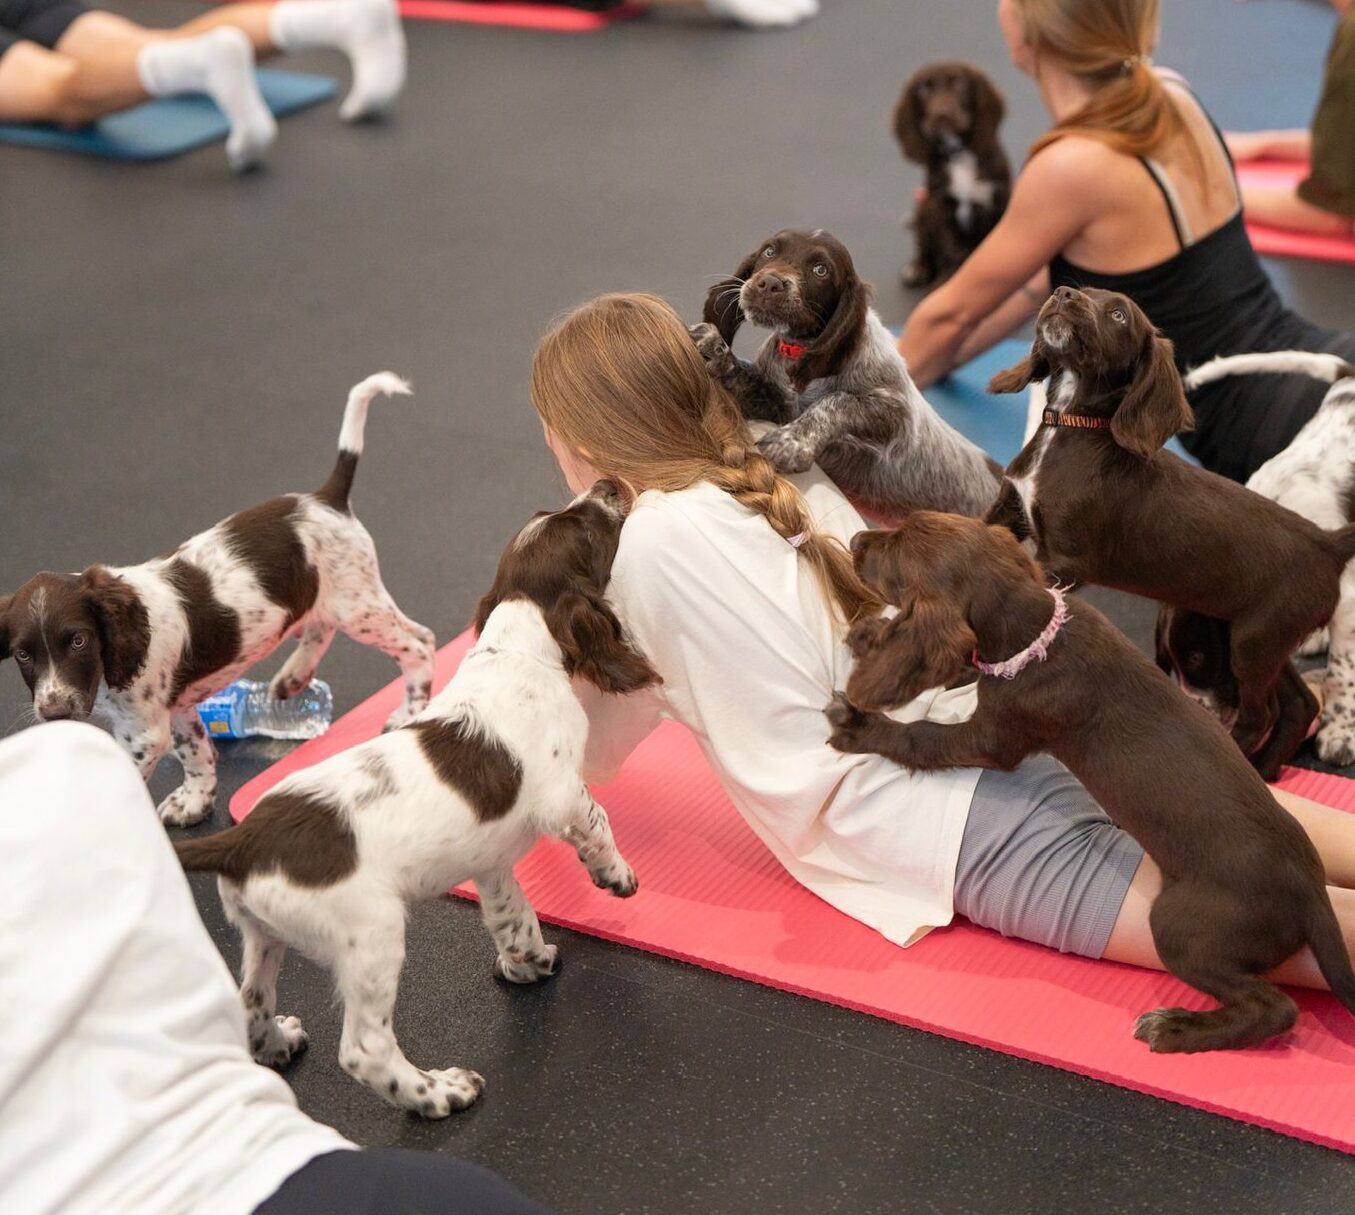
x,y
192,801
274,1041
368,971
1195,941
376,620
299,669
523,955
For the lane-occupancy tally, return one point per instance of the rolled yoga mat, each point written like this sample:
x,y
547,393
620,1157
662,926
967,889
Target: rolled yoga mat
x,y
712,895
169,126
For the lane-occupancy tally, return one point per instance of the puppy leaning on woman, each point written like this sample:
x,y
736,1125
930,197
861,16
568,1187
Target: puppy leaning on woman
x,y
1131,190
736,584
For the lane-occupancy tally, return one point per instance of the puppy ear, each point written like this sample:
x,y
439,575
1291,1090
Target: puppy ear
x,y
124,627
908,123
834,342
1009,511
1154,408
1035,366
722,307
928,646
594,647
488,602
989,111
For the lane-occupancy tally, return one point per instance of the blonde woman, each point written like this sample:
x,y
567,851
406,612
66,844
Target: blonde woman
x,y
735,583
1132,189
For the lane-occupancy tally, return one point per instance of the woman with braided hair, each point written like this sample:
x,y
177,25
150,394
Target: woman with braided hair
x,y
738,586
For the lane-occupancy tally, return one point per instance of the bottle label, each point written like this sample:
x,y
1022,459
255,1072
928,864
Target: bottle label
x,y
215,712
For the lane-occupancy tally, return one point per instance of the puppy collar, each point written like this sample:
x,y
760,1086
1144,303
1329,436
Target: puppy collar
x,y
1078,421
790,350
1036,651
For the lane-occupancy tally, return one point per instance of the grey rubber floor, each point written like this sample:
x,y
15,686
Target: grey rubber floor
x,y
177,344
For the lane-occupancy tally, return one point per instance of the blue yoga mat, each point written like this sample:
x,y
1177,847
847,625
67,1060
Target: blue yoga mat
x,y
169,125
995,423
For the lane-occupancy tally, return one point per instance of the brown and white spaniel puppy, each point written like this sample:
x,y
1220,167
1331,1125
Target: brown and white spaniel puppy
x,y
1243,888
947,121
329,859
143,644
1101,502
834,385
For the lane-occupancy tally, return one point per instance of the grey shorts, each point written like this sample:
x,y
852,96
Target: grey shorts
x,y
1041,861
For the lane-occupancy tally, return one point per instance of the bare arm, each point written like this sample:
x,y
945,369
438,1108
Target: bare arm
x,y
1006,319
1052,202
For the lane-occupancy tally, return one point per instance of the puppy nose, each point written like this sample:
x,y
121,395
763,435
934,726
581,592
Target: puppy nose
x,y
770,284
1064,294
57,713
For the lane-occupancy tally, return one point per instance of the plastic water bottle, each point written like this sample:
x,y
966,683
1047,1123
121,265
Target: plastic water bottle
x,y
244,709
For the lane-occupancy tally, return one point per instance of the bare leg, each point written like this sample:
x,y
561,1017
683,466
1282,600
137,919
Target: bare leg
x,y
1280,207
1132,939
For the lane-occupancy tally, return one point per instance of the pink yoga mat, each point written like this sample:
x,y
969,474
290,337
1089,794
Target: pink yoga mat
x,y
711,894
1277,241
555,18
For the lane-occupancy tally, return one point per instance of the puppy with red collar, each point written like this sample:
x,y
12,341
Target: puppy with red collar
x,y
146,643
329,859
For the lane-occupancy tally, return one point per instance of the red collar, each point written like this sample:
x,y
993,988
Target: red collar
x,y
790,350
1079,421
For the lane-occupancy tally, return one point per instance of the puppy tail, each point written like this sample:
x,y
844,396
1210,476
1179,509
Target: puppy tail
x,y
1329,948
334,493
211,854
1326,367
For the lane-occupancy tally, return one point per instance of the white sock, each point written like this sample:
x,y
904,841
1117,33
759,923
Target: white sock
x,y
367,31
764,13
220,64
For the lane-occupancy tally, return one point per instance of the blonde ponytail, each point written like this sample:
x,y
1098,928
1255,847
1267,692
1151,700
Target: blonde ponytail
x,y
620,381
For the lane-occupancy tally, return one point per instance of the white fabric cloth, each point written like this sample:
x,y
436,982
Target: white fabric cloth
x,y
125,1082
735,621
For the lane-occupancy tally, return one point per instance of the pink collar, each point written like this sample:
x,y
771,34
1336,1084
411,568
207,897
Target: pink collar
x,y
1036,651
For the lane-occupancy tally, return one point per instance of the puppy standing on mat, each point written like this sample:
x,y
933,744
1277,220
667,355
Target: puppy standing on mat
x,y
833,383
145,643
1243,887
1101,502
947,121
328,859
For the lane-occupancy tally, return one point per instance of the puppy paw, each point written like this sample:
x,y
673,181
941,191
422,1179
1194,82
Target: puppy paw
x,y
850,725
281,1041
1167,1031
183,808
714,350
528,968
787,452
1336,741
439,1093
618,879
401,717
284,686
863,635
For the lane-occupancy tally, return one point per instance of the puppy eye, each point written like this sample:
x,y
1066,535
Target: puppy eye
x,y
1117,315
22,656
769,251
79,641
821,270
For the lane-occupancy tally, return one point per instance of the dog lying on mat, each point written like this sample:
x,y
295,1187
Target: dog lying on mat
x,y
1243,887
146,643
327,860
946,121
835,386
1101,502
1314,477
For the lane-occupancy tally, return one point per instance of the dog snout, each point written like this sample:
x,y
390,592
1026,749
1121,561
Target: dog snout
x,y
60,708
770,284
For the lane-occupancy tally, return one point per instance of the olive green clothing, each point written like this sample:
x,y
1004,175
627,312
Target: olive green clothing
x,y
1331,185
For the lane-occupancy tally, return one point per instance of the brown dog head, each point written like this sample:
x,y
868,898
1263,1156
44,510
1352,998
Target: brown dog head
x,y
803,286
944,573
69,633
946,107
1122,367
562,561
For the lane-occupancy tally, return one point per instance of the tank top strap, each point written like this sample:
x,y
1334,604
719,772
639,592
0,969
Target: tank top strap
x,y
1181,225
1180,83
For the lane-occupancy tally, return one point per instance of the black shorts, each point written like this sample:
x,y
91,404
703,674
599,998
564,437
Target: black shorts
x,y
40,21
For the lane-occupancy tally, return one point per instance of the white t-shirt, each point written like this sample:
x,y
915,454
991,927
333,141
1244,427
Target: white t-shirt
x,y
736,623
125,1082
